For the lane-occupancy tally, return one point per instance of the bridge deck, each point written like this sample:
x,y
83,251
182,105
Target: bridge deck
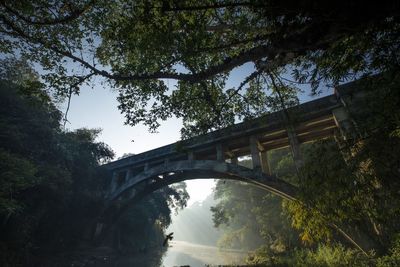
x,y
312,120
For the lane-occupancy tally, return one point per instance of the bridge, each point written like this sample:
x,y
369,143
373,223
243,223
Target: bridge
x,y
215,154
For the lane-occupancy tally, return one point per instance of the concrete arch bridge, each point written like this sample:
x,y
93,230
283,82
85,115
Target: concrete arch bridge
x,y
215,154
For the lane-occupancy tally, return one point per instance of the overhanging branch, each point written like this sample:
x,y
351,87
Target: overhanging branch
x,y
268,53
75,13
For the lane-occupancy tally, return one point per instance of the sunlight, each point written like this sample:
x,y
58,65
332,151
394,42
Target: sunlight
x,y
199,189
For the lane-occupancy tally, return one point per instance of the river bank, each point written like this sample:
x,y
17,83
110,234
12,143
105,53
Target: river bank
x,y
97,257
181,253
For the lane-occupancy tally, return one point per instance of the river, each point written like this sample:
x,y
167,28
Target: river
x,y
185,253
179,253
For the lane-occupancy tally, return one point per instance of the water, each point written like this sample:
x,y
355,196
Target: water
x,y
185,253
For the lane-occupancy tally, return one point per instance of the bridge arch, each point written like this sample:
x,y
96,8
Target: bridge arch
x,y
178,171
146,182
138,186
215,154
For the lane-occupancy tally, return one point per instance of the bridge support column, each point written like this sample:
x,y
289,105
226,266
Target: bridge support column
x,y
166,163
344,123
264,162
127,175
114,181
234,160
191,156
295,147
255,153
220,153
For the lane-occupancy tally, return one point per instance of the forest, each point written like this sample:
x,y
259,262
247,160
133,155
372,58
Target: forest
x,y
52,187
52,184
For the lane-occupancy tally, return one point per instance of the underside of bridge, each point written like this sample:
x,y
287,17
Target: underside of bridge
x,y
202,169
215,155
157,177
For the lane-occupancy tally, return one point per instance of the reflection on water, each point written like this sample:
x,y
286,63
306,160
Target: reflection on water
x,y
179,253
149,259
185,253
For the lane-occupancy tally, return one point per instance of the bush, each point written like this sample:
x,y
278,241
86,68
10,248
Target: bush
x,y
323,256
393,259
335,255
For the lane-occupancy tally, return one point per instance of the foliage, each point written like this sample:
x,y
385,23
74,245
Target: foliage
x,y
251,217
17,175
142,227
352,185
335,255
322,256
313,225
138,47
393,257
359,182
52,186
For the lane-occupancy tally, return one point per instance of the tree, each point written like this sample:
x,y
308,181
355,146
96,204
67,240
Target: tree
x,y
250,217
142,227
138,46
358,184
51,183
352,185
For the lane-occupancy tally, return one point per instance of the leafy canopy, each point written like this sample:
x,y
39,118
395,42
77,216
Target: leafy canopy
x,y
52,186
140,46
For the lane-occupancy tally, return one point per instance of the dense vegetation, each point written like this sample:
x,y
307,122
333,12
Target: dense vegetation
x,y
51,186
251,217
354,185
139,46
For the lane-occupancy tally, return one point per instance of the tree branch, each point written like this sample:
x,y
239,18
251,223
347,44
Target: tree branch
x,y
232,44
227,65
272,52
75,13
168,8
79,81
